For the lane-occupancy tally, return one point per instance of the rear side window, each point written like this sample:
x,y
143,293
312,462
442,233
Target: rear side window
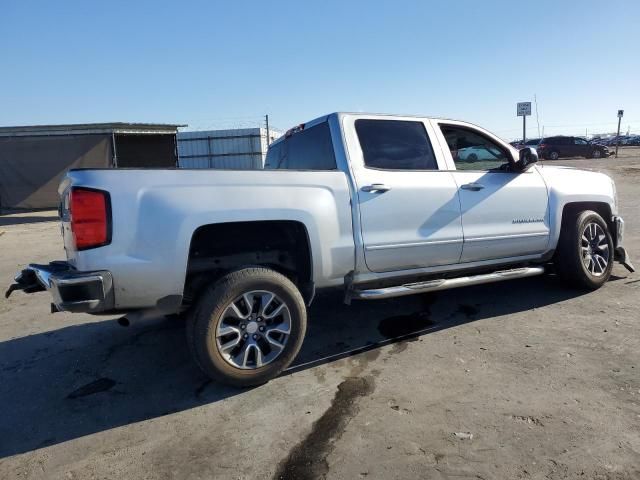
x,y
310,149
395,145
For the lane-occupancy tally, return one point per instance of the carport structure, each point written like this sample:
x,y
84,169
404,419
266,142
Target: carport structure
x,y
33,159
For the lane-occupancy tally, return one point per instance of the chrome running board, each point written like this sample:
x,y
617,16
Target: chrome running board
x,y
445,283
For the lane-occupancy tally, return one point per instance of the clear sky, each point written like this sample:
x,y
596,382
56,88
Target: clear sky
x,y
215,64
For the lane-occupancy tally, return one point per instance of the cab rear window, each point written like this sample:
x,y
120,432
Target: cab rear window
x,y
309,149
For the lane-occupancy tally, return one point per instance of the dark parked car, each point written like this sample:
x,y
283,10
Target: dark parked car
x,y
532,142
553,148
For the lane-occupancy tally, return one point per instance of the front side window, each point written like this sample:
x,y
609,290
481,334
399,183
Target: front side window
x,y
310,149
395,145
473,151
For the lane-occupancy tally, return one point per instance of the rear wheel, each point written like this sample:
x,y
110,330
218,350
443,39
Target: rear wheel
x,y
585,251
553,155
247,327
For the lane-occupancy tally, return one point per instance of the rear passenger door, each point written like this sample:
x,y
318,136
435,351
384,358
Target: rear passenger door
x,y
408,204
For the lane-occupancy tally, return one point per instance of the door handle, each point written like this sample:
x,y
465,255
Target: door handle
x,y
472,186
376,187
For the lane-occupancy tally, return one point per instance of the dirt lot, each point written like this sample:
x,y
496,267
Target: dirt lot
x,y
524,379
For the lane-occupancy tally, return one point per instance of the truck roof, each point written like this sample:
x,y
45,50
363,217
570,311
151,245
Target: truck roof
x,y
324,118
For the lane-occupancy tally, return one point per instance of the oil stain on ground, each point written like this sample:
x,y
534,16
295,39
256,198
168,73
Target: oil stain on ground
x,y
308,459
469,311
402,325
100,385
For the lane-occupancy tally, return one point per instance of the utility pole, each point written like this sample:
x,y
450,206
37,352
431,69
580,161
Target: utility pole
x,y
620,114
266,119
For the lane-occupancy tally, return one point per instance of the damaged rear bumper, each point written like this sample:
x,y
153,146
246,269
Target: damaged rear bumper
x,y
71,290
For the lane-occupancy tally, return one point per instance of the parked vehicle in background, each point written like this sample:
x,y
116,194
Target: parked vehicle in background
x,y
378,205
630,140
611,141
552,148
533,142
477,153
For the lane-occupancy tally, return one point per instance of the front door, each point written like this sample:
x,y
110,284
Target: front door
x,y
409,208
504,213
581,147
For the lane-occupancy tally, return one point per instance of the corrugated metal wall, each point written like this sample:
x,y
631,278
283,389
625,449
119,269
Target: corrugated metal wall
x,y
242,149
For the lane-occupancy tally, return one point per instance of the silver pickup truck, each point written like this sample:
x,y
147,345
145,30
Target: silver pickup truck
x,y
378,205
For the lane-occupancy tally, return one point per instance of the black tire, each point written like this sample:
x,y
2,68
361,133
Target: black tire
x,y
569,261
553,155
597,153
203,322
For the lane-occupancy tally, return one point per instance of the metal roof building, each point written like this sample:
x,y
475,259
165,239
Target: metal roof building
x,y
33,159
240,148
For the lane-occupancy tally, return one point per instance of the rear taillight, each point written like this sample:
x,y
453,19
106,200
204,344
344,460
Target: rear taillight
x,y
90,218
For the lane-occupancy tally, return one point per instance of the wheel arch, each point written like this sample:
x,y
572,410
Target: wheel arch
x,y
219,248
571,209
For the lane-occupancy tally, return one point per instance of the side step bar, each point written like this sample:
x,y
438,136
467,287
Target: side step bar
x,y
444,284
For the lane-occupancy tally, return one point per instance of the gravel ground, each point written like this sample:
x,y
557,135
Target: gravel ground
x,y
522,379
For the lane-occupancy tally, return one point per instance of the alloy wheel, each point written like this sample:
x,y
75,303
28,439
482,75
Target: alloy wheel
x,y
254,330
595,249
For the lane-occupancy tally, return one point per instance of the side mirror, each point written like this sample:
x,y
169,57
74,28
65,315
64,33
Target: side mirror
x,y
528,156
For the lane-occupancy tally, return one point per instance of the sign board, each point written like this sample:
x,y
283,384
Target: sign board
x,y
620,113
524,109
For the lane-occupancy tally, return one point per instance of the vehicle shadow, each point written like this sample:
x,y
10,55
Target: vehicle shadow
x,y
88,378
21,217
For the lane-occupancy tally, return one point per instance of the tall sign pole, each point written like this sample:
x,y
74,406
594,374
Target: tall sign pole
x,y
523,109
266,120
620,114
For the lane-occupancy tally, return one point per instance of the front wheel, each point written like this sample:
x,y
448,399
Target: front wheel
x,y
584,257
247,327
596,154
553,155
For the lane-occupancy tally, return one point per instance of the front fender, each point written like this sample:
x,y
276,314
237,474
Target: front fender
x,y
572,186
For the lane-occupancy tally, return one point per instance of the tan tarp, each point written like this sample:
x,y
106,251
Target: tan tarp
x,y
31,167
